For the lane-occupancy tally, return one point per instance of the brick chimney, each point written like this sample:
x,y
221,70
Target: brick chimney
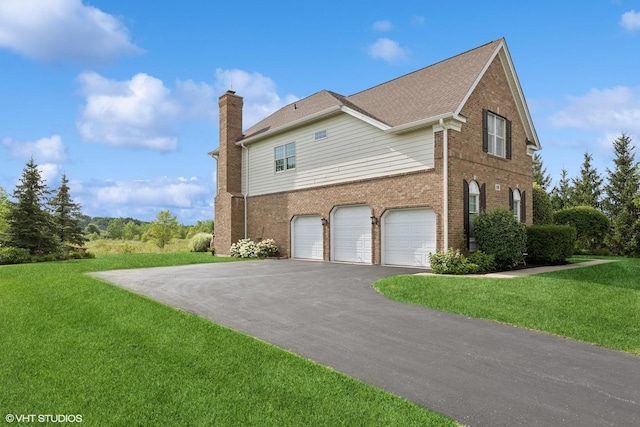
x,y
229,201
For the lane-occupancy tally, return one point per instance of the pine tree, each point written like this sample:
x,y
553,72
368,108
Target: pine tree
x,y
622,194
561,195
540,175
587,189
66,215
29,222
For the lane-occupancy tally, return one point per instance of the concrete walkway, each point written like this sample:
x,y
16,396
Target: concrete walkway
x,y
480,373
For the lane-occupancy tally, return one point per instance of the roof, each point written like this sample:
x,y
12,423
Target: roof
x,y
433,92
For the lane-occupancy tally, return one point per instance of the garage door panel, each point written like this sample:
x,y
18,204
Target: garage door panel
x,y
409,236
307,237
351,234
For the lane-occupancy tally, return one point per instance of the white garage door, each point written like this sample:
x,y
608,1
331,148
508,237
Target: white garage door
x,y
306,237
408,237
351,234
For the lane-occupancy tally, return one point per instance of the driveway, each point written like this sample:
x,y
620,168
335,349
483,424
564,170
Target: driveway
x,y
480,373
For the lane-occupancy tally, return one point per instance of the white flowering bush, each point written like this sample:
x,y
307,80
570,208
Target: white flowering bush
x,y
247,248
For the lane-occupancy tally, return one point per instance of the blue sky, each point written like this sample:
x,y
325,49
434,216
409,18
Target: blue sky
x,y
121,95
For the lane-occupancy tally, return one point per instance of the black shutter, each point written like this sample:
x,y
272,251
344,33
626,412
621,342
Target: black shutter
x,y
523,206
465,213
508,140
483,197
485,132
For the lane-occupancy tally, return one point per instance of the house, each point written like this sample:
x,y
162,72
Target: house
x,y
384,176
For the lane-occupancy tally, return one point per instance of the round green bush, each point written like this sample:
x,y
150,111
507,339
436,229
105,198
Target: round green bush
x,y
201,242
500,234
550,244
592,226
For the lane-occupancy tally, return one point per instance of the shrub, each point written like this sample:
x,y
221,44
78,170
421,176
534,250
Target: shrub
x,y
485,262
591,226
500,234
12,255
246,248
454,262
550,244
201,242
542,208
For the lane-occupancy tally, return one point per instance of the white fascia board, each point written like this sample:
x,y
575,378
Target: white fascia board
x,y
366,119
451,121
292,125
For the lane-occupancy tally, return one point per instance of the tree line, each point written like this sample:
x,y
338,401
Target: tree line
x,y
616,195
40,220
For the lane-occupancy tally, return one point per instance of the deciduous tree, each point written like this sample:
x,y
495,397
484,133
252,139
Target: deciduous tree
x,y
163,228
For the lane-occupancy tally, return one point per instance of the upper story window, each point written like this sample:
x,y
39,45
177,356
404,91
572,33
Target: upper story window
x,y
285,157
321,134
496,135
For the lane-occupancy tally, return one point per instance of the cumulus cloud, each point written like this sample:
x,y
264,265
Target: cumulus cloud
x,y
135,113
630,21
198,99
388,50
67,30
383,26
143,199
49,173
44,150
259,93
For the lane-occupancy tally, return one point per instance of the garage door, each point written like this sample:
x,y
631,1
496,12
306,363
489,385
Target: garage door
x,y
351,234
408,237
306,237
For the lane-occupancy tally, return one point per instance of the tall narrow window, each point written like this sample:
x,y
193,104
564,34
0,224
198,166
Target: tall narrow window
x,y
515,206
474,210
285,157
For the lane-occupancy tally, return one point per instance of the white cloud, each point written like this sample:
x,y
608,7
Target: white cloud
x,y
191,198
49,172
388,50
383,26
259,93
198,99
44,150
616,109
135,113
630,21
54,30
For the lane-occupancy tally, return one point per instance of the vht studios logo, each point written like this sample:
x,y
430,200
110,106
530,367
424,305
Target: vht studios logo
x,y
43,418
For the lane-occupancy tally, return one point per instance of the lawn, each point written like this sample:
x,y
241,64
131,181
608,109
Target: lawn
x,y
598,304
74,345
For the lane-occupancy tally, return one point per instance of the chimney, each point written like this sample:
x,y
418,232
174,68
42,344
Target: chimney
x,y
229,202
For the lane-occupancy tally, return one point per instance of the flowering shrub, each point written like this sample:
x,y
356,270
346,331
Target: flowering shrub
x,y
454,262
246,248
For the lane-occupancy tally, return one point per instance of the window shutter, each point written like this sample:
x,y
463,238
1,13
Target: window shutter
x,y
523,206
508,140
483,197
465,193
485,132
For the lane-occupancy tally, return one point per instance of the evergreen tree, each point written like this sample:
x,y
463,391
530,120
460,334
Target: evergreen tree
x,y
4,211
540,175
622,194
587,189
561,194
29,222
66,216
163,228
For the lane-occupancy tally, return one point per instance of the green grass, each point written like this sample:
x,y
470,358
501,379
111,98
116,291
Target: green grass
x,y
598,304
72,344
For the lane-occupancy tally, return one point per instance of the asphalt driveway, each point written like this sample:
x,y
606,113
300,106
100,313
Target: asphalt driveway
x,y
480,373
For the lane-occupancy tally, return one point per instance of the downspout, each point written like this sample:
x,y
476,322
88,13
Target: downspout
x,y
445,184
246,190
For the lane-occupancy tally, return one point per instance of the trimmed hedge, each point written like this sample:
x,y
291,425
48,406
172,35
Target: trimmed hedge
x,y
500,234
592,226
550,244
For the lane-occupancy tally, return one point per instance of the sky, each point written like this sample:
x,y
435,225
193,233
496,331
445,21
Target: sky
x,y
121,96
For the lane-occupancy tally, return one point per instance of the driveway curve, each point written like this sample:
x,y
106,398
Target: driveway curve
x,y
478,372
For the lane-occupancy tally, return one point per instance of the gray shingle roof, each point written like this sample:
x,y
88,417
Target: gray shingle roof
x,y
429,92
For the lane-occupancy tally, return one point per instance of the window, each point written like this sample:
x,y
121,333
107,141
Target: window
x,y
285,157
496,135
474,210
515,206
321,134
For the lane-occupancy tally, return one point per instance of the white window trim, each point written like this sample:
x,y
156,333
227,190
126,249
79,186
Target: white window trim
x,y
494,136
474,193
284,158
516,204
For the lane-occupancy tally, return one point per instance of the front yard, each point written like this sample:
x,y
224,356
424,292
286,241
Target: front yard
x,y
73,345
598,304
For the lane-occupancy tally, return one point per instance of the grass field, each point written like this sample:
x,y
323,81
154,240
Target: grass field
x,y
74,345
598,304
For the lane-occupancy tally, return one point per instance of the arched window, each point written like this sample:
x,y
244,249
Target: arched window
x,y
474,210
515,207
